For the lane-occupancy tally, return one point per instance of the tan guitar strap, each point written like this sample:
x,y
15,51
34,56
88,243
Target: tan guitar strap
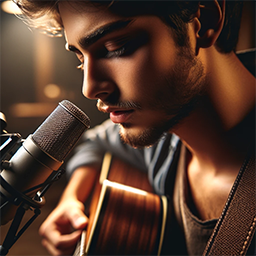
x,y
235,229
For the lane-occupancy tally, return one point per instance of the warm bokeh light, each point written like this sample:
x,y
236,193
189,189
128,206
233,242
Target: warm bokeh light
x,y
25,110
10,7
52,91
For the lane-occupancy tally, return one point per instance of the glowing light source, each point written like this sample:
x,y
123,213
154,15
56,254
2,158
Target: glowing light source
x,y
10,7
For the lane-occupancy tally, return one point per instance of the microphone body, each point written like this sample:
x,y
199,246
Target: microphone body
x,y
28,163
41,153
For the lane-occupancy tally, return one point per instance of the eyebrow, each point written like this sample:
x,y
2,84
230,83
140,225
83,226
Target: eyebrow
x,y
99,33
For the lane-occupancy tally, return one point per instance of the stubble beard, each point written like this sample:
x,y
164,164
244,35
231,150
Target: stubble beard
x,y
190,74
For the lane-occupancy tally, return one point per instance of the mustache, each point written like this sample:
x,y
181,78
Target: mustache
x,y
121,104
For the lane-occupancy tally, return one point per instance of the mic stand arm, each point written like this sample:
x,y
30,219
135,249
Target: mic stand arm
x,y
36,203
11,236
8,142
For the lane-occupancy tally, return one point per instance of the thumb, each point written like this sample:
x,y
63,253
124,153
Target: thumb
x,y
77,218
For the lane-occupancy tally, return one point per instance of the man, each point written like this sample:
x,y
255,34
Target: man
x,y
156,68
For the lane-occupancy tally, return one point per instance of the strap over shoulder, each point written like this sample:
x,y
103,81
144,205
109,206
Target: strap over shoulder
x,y
236,227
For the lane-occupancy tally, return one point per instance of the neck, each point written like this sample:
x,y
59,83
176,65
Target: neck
x,y
218,132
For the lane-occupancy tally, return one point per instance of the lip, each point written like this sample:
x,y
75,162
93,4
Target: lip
x,y
120,116
117,115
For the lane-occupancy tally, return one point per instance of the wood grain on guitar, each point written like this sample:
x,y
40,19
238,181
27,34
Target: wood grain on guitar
x,y
126,218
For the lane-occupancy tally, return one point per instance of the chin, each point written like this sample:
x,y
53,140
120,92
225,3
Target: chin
x,y
139,138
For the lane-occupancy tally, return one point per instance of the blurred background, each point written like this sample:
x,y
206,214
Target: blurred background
x,y
36,72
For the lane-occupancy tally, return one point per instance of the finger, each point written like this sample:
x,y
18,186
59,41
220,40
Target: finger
x,y
77,218
62,243
56,252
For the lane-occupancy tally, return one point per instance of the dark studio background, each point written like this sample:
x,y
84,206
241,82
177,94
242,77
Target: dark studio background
x,y
29,63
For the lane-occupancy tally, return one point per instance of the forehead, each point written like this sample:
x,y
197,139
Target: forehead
x,y
86,17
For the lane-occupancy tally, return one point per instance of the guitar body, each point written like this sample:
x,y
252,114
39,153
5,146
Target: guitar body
x,y
125,219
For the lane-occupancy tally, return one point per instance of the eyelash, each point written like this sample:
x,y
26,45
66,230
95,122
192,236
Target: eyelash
x,y
116,53
110,54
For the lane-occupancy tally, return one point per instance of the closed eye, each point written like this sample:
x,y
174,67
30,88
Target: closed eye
x,y
117,47
106,54
116,53
124,46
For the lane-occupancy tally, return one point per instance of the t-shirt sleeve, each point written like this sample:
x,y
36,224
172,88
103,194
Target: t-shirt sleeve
x,y
99,140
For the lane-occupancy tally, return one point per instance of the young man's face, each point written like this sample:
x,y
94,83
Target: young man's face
x,y
134,68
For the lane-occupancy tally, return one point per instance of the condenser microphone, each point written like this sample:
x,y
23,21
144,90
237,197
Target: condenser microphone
x,y
41,153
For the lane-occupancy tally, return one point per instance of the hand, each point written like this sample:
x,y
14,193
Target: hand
x,y
62,229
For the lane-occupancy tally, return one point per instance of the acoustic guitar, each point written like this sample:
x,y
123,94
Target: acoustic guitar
x,y
126,217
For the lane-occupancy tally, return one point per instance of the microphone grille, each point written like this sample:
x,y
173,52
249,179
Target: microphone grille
x,y
61,130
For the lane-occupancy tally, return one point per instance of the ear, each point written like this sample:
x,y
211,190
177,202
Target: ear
x,y
210,15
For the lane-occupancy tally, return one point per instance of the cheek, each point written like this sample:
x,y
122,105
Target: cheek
x,y
132,74
144,71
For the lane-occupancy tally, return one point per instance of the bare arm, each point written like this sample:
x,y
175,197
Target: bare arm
x,y
61,230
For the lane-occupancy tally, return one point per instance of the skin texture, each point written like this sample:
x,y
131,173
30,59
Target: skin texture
x,y
64,225
150,85
158,90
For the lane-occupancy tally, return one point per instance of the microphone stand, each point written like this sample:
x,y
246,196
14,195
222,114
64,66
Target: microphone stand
x,y
9,142
19,199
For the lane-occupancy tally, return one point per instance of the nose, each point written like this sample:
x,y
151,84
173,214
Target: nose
x,y
96,82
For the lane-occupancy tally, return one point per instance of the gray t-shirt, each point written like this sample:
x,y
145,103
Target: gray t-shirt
x,y
155,160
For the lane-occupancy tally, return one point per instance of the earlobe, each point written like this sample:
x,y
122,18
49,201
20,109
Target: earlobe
x,y
211,16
